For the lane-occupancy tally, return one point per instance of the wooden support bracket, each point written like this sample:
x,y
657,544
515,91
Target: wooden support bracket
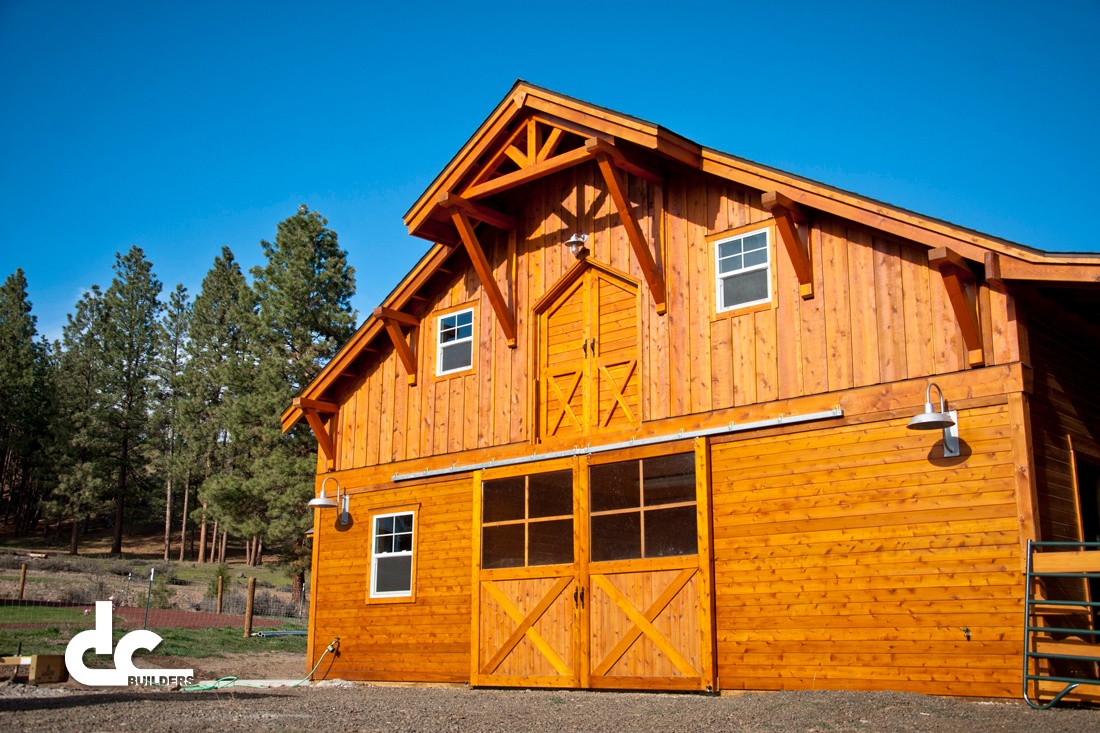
x,y
484,272
324,437
788,216
617,189
956,273
393,320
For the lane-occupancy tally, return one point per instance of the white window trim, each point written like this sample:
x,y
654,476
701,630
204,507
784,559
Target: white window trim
x,y
719,276
439,345
374,557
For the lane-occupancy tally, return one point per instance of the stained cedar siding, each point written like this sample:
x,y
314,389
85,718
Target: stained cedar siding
x,y
849,559
424,640
878,314
1064,405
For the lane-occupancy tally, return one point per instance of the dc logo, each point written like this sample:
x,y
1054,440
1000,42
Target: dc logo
x,y
124,673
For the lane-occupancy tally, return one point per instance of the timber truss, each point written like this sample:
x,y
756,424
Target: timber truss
x,y
535,147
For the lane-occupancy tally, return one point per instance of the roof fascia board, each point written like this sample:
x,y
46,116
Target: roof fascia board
x,y
877,215
370,329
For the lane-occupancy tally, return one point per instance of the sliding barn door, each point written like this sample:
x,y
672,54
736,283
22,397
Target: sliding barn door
x,y
596,576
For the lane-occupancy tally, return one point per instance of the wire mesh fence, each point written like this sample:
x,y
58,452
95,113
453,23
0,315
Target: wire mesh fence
x,y
44,602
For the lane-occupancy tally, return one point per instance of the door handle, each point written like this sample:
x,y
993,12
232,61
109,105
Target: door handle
x,y
593,347
575,589
582,597
584,346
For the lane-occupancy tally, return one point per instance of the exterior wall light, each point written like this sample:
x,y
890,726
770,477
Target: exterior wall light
x,y
946,420
576,245
322,501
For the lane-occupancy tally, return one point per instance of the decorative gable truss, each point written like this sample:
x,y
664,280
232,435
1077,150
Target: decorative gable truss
x,y
537,146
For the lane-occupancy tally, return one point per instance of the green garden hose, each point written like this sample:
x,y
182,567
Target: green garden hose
x,y
232,681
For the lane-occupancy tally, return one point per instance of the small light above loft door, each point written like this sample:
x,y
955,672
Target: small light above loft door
x,y
946,420
576,245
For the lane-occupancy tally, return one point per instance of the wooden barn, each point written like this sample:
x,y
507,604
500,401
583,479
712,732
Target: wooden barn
x,y
642,418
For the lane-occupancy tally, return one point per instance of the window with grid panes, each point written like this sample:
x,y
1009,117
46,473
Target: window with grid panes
x,y
743,270
392,555
455,343
643,508
527,520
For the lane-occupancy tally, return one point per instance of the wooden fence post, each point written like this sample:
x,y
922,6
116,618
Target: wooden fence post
x,y
22,579
248,608
220,579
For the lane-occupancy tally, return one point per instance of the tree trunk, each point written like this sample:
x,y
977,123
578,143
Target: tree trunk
x,y
183,521
168,517
225,539
120,501
297,585
213,542
258,556
73,536
202,535
248,551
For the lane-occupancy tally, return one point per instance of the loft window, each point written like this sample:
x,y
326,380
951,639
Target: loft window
x,y
455,343
527,520
391,566
644,508
743,270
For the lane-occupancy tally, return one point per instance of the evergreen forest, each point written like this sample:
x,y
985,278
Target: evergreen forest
x,y
159,406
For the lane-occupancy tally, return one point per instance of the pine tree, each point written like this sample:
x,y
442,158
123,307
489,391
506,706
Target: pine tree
x,y
25,403
170,395
215,352
304,316
80,431
129,349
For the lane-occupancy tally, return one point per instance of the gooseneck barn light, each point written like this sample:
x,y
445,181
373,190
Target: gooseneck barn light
x,y
322,501
343,500
946,420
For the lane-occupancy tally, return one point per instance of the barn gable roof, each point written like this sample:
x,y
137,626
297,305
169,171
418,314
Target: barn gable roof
x,y
535,132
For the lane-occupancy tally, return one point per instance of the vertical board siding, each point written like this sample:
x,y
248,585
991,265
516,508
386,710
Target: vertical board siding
x,y
848,559
424,640
1065,406
878,315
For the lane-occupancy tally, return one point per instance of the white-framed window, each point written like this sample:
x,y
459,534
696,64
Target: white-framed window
x,y
743,270
391,562
455,342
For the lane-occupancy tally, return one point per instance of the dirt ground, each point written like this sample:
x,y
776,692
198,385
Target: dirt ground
x,y
335,706
344,706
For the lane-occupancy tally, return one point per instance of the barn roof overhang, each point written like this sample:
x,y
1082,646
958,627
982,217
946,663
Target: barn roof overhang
x,y
535,132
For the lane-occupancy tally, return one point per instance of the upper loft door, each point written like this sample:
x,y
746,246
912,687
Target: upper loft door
x,y
588,376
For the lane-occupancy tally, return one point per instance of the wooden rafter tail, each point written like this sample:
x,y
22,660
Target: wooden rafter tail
x,y
484,273
788,216
956,273
617,189
476,211
324,439
319,405
393,320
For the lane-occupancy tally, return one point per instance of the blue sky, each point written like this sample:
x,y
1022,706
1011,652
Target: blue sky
x,y
185,126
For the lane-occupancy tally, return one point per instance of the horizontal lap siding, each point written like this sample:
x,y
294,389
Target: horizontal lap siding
x,y
426,640
848,559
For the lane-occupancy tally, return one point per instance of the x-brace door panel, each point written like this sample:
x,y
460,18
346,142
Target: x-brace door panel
x,y
646,628
527,632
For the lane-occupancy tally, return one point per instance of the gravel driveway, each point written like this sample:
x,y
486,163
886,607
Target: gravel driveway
x,y
347,707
